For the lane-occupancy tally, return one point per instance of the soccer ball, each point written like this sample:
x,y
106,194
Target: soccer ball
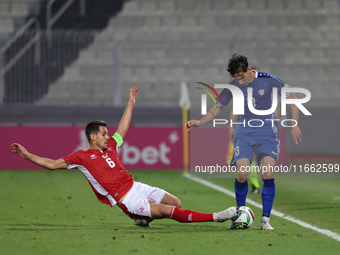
x,y
245,219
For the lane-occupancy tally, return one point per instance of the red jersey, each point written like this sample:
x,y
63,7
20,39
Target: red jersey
x,y
108,178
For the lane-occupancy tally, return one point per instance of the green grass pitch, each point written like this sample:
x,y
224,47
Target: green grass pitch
x,y
46,212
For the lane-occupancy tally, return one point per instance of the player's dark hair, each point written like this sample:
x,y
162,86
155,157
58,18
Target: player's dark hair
x,y
237,63
93,127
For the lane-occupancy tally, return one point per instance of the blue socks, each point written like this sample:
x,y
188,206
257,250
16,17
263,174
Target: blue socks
x,y
241,190
268,194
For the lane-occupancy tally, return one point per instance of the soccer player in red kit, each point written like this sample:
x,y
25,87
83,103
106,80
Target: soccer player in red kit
x,y
112,183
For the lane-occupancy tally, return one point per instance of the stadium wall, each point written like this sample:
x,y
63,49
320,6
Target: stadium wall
x,y
144,147
320,131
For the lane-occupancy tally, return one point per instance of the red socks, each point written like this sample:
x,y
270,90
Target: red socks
x,y
183,216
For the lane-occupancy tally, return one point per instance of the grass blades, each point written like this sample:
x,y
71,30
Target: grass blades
x,y
57,213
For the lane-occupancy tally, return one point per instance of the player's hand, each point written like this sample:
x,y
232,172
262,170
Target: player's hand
x,y
296,134
132,95
192,124
19,149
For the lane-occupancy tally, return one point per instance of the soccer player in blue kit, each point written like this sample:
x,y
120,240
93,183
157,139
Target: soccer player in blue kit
x,y
262,139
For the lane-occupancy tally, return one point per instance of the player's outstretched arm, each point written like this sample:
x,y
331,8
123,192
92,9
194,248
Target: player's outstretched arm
x,y
43,162
126,119
295,131
211,114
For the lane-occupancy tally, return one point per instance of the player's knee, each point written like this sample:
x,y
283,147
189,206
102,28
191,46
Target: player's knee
x,y
170,199
176,202
242,174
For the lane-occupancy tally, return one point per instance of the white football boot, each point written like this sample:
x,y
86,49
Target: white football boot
x,y
230,213
265,223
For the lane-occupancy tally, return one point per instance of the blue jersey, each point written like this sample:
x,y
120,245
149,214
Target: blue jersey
x,y
262,100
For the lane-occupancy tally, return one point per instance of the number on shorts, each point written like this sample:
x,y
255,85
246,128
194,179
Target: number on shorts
x,y
237,151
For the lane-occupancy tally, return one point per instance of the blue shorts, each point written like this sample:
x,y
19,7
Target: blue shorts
x,y
262,144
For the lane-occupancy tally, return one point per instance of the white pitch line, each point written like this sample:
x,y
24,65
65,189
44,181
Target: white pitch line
x,y
326,232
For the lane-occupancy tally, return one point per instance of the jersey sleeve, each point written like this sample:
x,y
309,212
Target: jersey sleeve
x,y
73,159
225,96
